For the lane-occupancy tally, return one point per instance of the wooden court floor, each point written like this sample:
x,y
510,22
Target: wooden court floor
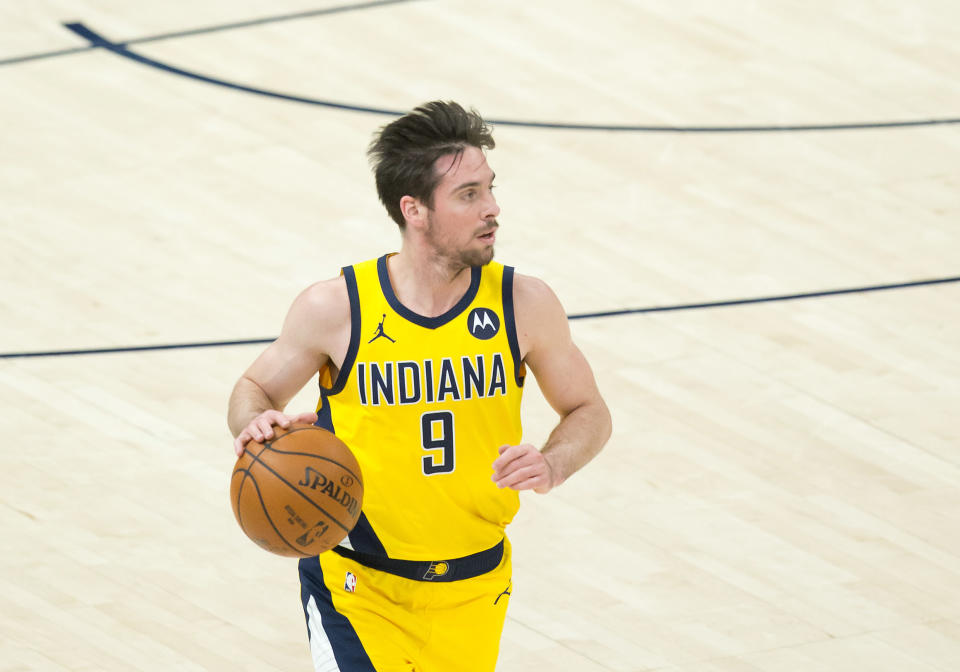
x,y
782,489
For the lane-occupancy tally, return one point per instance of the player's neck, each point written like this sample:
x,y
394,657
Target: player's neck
x,y
427,286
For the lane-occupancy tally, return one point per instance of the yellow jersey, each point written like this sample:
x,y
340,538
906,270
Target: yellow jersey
x,y
424,403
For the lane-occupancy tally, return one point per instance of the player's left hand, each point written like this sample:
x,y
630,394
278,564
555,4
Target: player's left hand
x,y
523,467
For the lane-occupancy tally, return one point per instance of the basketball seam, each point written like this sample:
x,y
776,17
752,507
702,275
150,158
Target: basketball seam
x,y
246,474
266,513
266,466
271,445
237,508
315,457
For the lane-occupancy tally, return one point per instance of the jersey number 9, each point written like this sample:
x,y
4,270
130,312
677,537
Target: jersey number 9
x,y
436,432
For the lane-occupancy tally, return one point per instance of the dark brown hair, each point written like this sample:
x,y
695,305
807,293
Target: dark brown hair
x,y
403,152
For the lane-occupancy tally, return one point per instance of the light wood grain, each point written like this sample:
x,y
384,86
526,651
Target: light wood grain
x,y
782,490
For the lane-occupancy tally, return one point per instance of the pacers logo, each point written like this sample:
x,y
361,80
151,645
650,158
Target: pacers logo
x,y
436,569
483,323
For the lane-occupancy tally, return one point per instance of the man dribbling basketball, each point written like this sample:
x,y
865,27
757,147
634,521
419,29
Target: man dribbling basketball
x,y
422,357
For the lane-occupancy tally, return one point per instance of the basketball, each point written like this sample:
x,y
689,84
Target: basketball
x,y
299,493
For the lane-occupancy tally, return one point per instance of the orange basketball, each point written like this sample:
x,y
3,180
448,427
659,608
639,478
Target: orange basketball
x,y
298,494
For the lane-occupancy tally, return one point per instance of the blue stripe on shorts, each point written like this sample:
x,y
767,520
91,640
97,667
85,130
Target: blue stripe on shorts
x,y
333,642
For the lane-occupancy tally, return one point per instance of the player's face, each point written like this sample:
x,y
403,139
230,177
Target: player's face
x,y
461,226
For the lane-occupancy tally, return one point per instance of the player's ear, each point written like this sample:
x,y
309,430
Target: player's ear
x,y
414,211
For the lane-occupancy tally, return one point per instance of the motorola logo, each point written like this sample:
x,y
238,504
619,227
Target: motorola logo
x,y
483,323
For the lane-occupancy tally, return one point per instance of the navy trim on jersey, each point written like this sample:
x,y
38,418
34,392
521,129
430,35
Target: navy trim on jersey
x,y
347,648
351,278
510,324
364,539
456,569
416,318
325,415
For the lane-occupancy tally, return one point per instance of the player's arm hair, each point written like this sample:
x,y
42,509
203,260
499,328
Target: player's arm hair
x,y
287,364
564,377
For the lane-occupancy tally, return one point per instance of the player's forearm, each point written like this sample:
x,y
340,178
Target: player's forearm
x,y
577,439
247,401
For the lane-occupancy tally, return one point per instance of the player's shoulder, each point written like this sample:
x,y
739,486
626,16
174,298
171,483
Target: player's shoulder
x,y
531,293
326,290
324,300
539,316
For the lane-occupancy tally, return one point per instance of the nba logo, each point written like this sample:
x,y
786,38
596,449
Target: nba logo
x,y
350,585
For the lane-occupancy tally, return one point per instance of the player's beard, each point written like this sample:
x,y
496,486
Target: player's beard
x,y
458,259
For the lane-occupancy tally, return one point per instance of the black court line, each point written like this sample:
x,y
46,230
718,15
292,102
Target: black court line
x,y
209,29
121,49
47,54
766,299
576,316
136,348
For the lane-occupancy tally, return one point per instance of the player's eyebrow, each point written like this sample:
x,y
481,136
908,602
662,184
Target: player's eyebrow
x,y
474,183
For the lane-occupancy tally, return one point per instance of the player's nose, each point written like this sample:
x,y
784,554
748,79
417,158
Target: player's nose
x,y
491,207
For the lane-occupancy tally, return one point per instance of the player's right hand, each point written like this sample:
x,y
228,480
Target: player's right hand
x,y
261,427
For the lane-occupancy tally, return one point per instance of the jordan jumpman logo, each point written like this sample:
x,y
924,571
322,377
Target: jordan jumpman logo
x,y
380,332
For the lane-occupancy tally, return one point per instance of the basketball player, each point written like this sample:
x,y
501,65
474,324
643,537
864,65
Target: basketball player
x,y
423,356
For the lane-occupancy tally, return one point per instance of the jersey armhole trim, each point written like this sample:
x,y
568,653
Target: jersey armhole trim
x,y
351,278
510,325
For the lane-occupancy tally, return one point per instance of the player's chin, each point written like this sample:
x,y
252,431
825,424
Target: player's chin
x,y
480,257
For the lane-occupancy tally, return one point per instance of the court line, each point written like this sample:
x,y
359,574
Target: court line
x,y
766,299
120,49
209,29
575,316
46,54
